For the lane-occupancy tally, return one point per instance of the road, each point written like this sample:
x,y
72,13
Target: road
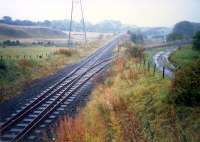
x,y
161,59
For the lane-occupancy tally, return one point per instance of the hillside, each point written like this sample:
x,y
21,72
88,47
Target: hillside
x,y
184,29
11,31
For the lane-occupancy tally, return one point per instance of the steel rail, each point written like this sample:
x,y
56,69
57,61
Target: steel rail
x,y
45,113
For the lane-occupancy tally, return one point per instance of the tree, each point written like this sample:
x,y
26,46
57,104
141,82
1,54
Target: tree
x,y
174,36
7,19
137,38
196,41
17,42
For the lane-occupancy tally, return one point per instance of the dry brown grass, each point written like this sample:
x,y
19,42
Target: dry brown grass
x,y
130,106
24,63
24,71
66,52
107,117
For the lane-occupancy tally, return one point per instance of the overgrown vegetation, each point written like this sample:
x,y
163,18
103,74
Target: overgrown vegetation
x,y
131,106
196,42
136,37
185,85
20,66
174,37
2,65
66,52
184,56
184,30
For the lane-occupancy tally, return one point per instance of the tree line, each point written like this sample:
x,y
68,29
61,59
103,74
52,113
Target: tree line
x,y
63,25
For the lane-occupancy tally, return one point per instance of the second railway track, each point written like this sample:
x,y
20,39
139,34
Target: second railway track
x,y
44,106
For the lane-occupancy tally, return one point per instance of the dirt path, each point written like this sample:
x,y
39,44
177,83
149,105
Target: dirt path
x,y
161,59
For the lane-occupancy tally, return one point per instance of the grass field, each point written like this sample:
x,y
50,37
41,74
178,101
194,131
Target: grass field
x,y
29,52
13,31
184,56
20,66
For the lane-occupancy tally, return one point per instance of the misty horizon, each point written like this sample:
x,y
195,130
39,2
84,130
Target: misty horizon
x,y
142,13
99,22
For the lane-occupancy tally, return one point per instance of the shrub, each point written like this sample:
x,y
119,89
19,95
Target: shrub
x,y
134,51
196,42
186,85
66,52
25,63
2,65
136,37
175,36
11,43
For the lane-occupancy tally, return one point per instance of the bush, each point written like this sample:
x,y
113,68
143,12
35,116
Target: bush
x,y
2,65
11,43
186,85
25,63
66,52
134,51
196,42
174,37
137,38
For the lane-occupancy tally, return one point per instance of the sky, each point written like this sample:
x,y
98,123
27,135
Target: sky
x,y
131,12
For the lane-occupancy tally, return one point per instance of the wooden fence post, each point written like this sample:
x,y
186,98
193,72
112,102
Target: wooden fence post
x,y
154,69
148,67
163,72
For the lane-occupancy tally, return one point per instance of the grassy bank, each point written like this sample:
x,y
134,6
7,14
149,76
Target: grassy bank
x,y
131,106
22,65
184,56
149,54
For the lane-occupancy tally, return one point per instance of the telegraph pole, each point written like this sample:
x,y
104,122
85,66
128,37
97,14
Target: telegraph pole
x,y
70,42
70,28
83,20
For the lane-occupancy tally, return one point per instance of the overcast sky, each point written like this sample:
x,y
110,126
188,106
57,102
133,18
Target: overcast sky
x,y
133,12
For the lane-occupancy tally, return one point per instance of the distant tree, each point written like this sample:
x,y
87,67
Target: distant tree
x,y
17,42
137,37
7,42
175,36
196,41
7,19
11,43
184,30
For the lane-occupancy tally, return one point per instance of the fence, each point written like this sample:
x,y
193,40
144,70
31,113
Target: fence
x,y
18,57
152,67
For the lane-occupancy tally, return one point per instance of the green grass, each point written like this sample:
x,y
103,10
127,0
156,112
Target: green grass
x,y
149,54
39,61
184,56
131,105
31,51
21,71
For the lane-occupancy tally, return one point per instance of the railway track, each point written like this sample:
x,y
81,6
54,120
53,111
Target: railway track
x,y
46,105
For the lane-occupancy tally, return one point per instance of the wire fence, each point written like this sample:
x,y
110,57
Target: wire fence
x,y
33,56
19,57
153,68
